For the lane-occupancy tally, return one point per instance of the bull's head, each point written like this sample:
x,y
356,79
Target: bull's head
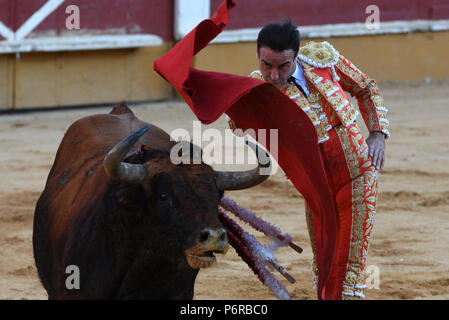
x,y
185,195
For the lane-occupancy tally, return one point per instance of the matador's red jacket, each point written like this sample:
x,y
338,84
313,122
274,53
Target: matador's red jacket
x,y
329,74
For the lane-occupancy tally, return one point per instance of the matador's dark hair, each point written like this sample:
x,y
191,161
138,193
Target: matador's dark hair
x,y
279,36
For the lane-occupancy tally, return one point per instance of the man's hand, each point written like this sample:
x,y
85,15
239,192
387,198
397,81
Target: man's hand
x,y
376,149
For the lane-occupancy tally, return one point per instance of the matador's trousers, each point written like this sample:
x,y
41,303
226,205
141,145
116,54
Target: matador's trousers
x,y
353,181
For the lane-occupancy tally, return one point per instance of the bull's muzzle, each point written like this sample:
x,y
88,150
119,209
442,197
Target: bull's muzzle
x,y
209,242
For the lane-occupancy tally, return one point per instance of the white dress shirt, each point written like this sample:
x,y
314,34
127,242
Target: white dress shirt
x,y
300,80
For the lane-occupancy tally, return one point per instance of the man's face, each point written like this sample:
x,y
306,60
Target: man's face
x,y
276,66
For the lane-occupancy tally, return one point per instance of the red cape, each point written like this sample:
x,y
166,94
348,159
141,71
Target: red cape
x,y
257,104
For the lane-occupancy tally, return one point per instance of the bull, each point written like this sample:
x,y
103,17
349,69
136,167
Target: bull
x,y
135,225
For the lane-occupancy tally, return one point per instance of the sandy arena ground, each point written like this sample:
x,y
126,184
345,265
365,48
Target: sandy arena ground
x,y
409,241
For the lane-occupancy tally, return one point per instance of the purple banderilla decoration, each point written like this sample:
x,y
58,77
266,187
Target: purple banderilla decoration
x,y
251,251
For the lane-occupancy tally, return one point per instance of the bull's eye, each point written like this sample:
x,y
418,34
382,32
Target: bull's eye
x,y
163,197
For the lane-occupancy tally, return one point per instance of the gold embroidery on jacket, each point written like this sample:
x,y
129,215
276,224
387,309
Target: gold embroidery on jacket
x,y
371,103
336,98
294,93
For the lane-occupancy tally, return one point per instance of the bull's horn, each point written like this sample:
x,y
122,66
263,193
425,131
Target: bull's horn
x,y
245,179
121,171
